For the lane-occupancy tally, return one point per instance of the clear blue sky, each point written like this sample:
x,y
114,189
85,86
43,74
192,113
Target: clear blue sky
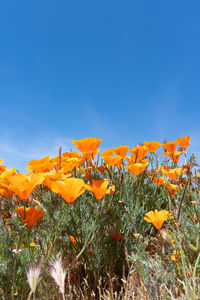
x,y
123,71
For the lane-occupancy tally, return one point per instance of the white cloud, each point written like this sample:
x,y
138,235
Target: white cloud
x,y
17,152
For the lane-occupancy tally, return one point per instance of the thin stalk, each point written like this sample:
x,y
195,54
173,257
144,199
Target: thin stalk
x,y
181,201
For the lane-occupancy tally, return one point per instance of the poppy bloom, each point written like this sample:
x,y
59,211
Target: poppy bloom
x,y
88,146
108,152
184,142
159,181
157,218
113,161
137,168
24,184
121,151
139,152
174,156
152,146
74,241
69,189
30,215
40,165
171,189
170,147
173,174
99,188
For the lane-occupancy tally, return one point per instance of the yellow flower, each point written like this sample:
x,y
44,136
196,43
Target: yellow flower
x,y
157,218
32,244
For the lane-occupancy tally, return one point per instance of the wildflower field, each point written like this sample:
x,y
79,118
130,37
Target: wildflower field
x,y
121,224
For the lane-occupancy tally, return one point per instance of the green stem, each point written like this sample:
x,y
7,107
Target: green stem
x,y
181,201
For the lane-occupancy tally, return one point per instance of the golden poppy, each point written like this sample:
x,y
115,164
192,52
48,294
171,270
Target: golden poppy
x,y
69,189
121,151
173,174
171,189
152,146
74,240
137,168
170,147
156,217
159,181
99,188
30,215
113,161
24,184
174,156
108,152
40,165
139,152
184,142
88,146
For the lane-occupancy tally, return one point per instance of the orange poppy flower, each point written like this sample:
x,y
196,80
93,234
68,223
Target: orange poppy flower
x,y
110,190
88,146
2,169
171,189
137,168
102,169
184,142
159,181
51,177
139,152
152,146
71,154
99,188
113,161
170,147
74,241
69,189
157,218
131,160
30,215
108,152
5,190
40,165
7,174
173,174
24,184
121,151
174,156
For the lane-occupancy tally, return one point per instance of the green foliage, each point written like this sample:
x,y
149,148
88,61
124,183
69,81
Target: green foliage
x,y
116,252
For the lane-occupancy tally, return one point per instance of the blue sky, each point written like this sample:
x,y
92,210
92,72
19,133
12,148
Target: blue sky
x,y
123,71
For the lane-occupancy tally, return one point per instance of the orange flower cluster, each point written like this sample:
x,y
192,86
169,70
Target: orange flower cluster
x,y
30,215
70,174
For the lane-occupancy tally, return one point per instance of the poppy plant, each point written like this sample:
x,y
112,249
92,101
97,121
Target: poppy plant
x,y
113,161
152,146
69,189
99,188
171,189
174,156
157,218
184,142
40,165
173,174
121,151
30,215
137,168
139,152
24,184
88,146
170,147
